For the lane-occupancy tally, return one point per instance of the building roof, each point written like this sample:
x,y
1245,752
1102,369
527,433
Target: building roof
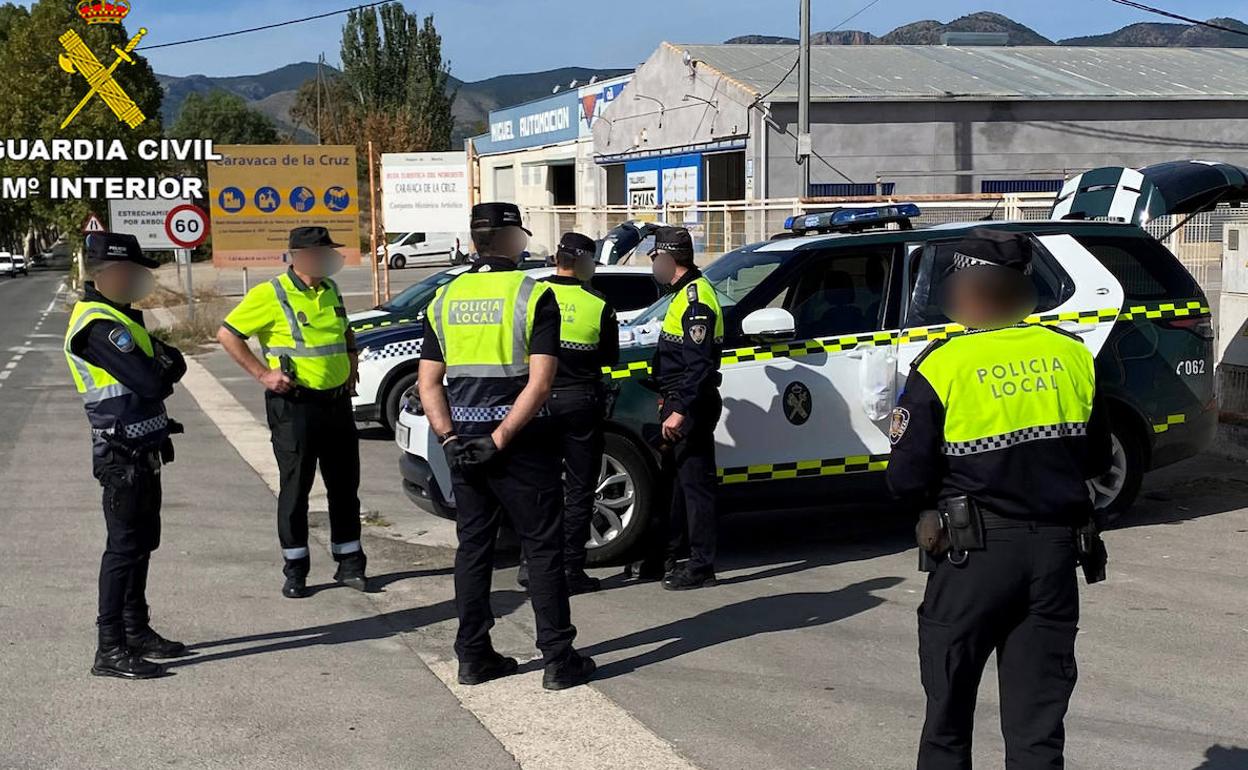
x,y
908,73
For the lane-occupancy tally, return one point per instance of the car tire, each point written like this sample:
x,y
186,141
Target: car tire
x,y
1115,492
398,262
393,401
624,502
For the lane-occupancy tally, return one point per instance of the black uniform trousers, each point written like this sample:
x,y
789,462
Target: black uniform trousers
x,y
132,498
577,417
689,466
521,482
310,429
1019,597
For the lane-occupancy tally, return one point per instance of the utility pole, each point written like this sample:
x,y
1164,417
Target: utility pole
x,y
803,104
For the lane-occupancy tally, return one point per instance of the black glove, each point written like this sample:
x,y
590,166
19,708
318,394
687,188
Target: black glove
x,y
465,454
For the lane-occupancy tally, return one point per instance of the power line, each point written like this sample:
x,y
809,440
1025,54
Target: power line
x,y
1171,15
266,26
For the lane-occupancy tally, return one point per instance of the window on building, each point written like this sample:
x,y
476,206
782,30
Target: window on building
x,y
848,189
617,185
724,175
561,183
505,184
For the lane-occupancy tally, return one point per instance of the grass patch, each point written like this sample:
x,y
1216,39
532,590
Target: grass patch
x,y
374,519
163,296
190,336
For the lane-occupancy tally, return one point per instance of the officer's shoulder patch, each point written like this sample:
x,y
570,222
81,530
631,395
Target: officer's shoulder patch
x,y
932,347
122,339
697,333
691,291
897,426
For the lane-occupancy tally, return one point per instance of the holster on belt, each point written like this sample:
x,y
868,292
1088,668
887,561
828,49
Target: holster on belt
x,y
932,540
964,523
1092,554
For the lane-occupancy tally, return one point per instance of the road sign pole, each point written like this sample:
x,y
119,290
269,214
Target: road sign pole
x,y
184,255
372,228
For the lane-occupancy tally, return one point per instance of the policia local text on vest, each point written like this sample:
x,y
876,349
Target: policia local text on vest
x,y
493,335
999,430
124,377
309,372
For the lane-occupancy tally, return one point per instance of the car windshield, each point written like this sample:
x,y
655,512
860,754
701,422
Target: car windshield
x,y
416,296
733,275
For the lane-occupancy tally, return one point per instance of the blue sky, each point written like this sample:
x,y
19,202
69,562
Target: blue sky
x,y
483,38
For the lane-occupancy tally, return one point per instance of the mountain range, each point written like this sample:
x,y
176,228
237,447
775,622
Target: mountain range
x,y
273,92
930,32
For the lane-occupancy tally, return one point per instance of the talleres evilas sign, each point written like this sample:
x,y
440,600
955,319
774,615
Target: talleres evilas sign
x,y
259,193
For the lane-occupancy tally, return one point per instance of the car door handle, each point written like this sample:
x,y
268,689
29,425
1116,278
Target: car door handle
x,y
1076,328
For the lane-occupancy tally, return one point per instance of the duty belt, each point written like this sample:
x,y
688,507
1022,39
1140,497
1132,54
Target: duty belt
x,y
311,395
995,521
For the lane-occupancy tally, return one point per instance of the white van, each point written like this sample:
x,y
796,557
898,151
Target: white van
x,y
425,248
8,266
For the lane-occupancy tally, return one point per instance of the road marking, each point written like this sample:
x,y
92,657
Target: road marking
x,y
577,729
13,364
5,374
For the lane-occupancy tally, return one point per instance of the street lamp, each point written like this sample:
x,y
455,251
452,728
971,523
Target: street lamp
x,y
662,106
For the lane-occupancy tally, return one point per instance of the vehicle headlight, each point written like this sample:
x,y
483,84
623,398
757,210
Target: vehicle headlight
x,y
410,402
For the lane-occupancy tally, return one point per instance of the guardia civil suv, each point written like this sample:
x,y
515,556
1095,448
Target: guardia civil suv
x,y
822,324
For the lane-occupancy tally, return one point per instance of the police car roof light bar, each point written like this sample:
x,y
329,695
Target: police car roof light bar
x,y
852,220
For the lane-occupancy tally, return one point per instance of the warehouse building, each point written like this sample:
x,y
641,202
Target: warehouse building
x,y
719,122
541,154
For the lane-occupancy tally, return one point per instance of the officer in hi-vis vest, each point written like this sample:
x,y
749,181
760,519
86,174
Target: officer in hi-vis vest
x,y
124,377
686,373
589,339
309,373
493,335
997,431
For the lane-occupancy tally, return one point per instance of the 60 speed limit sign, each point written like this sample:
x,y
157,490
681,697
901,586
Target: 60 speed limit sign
x,y
186,226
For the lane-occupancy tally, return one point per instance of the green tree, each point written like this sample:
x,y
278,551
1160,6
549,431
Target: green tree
x,y
37,95
224,118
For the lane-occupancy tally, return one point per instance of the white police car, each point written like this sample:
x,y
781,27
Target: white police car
x,y
390,337
821,327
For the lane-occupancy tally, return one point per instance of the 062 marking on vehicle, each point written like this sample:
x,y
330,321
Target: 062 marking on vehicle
x,y
1190,367
843,343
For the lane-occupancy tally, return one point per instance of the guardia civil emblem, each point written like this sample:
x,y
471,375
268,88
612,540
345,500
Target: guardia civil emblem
x,y
797,403
79,58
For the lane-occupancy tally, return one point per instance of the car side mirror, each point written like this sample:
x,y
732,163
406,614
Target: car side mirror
x,y
769,323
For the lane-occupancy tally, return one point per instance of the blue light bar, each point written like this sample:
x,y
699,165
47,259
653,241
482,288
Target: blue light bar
x,y
852,218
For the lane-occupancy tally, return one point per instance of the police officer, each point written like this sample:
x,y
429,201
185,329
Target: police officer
x,y
997,428
589,339
493,334
124,377
686,373
309,371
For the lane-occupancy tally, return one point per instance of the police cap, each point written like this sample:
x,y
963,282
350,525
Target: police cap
x,y
675,241
574,245
311,238
984,246
117,247
495,215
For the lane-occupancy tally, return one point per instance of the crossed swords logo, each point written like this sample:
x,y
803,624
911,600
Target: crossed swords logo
x,y
78,58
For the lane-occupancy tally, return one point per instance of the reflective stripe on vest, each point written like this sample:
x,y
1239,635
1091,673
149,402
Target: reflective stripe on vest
x,y
484,321
700,290
301,349
1011,386
580,314
93,383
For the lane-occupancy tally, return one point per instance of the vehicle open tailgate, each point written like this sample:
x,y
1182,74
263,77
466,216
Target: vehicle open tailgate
x,y
1127,195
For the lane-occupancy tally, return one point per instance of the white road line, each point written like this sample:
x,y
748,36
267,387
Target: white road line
x,y
5,374
12,364
55,297
578,729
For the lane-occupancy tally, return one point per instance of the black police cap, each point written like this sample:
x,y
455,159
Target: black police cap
x,y
984,246
576,245
493,215
117,247
674,240
311,238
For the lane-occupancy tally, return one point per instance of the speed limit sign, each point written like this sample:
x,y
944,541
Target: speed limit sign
x,y
187,226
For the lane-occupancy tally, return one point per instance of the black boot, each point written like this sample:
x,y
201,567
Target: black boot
x,y
113,658
522,574
649,569
580,583
295,587
351,572
572,671
686,579
146,643
489,668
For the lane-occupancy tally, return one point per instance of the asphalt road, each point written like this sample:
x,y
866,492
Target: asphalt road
x,y
803,658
